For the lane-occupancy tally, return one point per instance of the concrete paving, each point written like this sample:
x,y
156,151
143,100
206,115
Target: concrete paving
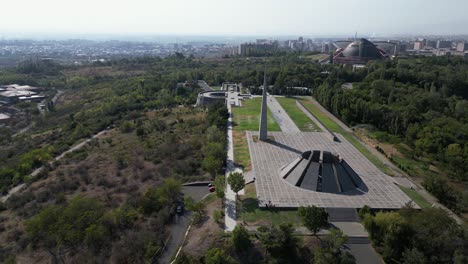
x,y
268,157
233,98
351,229
363,253
230,197
282,118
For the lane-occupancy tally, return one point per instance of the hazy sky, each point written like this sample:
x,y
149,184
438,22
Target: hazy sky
x,y
235,17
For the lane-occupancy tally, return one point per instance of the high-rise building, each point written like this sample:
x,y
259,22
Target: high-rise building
x,y
258,49
443,44
418,45
431,43
325,48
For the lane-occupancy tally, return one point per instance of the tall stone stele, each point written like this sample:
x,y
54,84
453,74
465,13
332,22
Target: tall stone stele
x,y
263,130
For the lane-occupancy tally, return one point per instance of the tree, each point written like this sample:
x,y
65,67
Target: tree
x,y
413,256
80,222
363,211
331,251
198,209
218,256
185,259
313,218
278,241
240,238
212,165
236,181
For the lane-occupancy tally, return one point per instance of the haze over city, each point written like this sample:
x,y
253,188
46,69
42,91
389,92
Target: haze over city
x,y
242,17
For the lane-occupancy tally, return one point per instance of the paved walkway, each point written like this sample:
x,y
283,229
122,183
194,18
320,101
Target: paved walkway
x,y
230,197
282,118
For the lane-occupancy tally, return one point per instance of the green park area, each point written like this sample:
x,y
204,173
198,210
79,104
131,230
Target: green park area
x,y
241,150
251,214
416,197
317,57
302,121
247,117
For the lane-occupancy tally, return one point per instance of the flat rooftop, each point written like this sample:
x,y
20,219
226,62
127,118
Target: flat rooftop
x,y
269,157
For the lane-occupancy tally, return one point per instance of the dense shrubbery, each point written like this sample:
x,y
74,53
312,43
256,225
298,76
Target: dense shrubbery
x,y
85,222
29,161
429,235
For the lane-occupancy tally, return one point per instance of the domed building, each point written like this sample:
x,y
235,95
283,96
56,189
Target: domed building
x,y
359,52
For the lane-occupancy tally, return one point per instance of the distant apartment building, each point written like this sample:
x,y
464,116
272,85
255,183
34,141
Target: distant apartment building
x,y
462,46
431,44
325,48
418,45
258,49
444,44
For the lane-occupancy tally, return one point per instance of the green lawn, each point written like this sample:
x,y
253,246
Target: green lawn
x,y
333,126
241,150
252,214
416,197
303,122
318,56
247,116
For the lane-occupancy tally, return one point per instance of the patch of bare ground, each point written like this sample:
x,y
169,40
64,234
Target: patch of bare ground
x,y
389,149
204,236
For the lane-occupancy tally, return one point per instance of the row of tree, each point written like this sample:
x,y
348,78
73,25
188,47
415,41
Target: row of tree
x,y
422,102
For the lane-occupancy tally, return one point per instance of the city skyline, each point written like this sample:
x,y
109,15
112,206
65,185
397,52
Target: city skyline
x,y
240,18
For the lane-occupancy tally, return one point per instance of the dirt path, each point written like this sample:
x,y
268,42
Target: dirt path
x,y
38,170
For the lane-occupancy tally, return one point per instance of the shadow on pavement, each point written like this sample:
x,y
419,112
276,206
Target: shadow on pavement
x,y
288,148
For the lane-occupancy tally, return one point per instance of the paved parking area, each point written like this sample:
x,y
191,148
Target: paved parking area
x,y
268,157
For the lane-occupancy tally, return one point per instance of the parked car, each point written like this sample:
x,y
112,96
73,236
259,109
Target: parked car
x,y
211,188
180,209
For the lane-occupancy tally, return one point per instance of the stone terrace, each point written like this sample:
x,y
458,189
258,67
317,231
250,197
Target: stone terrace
x,y
269,157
